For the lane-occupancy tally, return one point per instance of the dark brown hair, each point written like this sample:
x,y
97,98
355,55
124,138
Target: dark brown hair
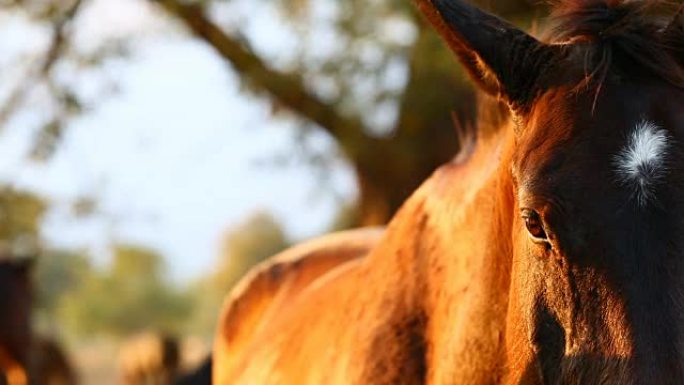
x,y
624,36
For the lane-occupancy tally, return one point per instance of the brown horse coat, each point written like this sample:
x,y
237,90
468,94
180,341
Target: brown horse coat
x,y
269,290
552,254
387,292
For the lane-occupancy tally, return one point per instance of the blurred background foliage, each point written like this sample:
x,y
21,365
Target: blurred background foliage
x,y
245,245
134,284
384,87
20,217
76,299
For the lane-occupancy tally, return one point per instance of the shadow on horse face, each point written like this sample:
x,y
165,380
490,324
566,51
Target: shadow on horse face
x,y
598,241
584,369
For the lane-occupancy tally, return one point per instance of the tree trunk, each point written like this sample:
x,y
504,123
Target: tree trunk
x,y
425,135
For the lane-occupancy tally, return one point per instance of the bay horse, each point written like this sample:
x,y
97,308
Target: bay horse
x,y
150,358
15,314
49,363
553,253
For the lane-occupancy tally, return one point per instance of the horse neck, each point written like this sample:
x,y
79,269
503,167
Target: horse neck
x,y
459,218
446,258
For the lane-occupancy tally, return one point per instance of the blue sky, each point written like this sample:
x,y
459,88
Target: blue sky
x,y
178,154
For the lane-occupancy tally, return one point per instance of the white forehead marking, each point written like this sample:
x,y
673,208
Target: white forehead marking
x,y
641,163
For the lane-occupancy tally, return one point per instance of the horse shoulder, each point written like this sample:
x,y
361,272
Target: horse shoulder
x,y
256,299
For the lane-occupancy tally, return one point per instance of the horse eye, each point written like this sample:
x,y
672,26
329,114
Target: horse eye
x,y
534,224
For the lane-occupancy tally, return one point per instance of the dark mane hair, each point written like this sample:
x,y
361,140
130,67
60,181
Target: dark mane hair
x,y
624,36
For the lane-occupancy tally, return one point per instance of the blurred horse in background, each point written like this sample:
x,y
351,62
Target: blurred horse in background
x,y
25,358
155,358
149,358
550,252
15,319
49,363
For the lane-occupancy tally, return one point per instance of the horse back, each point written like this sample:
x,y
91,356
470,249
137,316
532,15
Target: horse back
x,y
261,295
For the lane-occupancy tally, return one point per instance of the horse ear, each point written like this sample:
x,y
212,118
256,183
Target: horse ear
x,y
502,59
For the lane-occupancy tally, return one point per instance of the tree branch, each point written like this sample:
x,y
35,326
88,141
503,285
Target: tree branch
x,y
287,89
42,69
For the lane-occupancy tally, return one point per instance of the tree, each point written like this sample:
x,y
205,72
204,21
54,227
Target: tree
x,y
128,297
258,237
422,137
20,216
57,274
387,102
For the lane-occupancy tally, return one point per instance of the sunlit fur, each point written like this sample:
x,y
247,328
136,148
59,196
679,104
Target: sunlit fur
x,y
269,292
455,291
14,372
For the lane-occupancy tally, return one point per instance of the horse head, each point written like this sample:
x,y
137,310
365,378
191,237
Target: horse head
x,y
597,168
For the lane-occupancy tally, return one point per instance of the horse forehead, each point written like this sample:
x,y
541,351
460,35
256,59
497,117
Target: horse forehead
x,y
641,164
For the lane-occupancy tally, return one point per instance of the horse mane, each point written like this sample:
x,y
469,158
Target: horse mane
x,y
622,35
